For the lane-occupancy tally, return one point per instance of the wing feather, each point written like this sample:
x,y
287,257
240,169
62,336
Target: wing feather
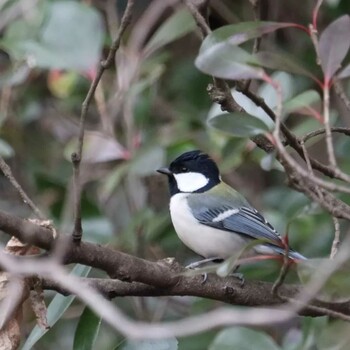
x,y
245,221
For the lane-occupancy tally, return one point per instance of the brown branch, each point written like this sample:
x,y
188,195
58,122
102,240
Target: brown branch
x,y
329,139
291,139
228,290
153,278
336,239
77,156
230,105
25,198
341,130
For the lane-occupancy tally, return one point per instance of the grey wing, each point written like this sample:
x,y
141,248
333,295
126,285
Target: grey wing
x,y
244,220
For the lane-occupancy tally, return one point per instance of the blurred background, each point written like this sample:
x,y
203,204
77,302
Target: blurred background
x,y
147,111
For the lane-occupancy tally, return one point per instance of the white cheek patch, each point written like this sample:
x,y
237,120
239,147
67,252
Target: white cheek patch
x,y
190,182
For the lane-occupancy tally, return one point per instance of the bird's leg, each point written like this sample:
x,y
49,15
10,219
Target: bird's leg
x,y
238,275
199,263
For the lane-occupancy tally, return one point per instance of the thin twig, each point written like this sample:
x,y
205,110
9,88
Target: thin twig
x,y
314,38
306,156
319,309
336,240
77,156
8,173
341,130
78,230
292,140
200,20
329,141
283,272
256,5
309,166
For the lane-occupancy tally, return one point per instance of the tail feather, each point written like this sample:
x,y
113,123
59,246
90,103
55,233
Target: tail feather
x,y
295,255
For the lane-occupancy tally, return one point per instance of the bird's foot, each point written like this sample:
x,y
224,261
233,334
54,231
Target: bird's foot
x,y
197,264
239,276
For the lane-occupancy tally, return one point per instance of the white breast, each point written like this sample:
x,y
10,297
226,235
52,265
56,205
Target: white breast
x,y
204,240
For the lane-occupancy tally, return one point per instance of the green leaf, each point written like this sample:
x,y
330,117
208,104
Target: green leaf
x,y
87,330
335,336
71,38
162,344
333,45
55,310
337,287
238,124
23,30
305,99
229,61
239,33
178,25
241,338
281,62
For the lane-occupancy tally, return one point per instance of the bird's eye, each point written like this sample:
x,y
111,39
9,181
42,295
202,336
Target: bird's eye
x,y
184,169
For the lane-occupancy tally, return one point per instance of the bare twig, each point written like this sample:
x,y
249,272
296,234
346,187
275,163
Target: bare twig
x,y
283,272
314,38
336,240
309,166
292,140
77,156
256,5
200,20
306,156
25,198
78,230
319,309
329,141
341,130
315,13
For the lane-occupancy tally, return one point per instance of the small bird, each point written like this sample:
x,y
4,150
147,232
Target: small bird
x,y
213,219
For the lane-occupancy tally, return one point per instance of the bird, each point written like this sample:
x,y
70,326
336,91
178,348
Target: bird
x,y
213,219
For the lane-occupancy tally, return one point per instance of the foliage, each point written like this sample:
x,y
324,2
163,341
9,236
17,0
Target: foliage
x,y
148,108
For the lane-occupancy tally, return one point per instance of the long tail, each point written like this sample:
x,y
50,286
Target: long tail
x,y
295,255
292,254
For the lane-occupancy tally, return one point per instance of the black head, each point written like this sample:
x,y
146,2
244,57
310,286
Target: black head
x,y
193,171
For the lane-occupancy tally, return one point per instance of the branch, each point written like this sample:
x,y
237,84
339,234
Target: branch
x,y
341,130
77,156
227,290
229,104
25,198
153,278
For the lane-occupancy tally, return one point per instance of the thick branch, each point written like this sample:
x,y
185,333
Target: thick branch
x,y
152,278
228,290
